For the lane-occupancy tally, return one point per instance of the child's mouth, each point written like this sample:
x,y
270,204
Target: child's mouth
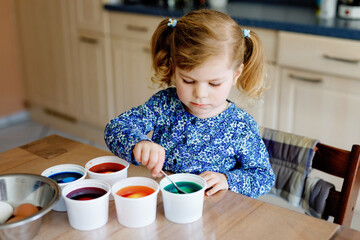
x,y
199,105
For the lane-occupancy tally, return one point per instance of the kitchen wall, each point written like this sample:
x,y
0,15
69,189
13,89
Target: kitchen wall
x,y
11,92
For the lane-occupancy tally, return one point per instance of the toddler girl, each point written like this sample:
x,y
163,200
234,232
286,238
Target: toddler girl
x,y
199,58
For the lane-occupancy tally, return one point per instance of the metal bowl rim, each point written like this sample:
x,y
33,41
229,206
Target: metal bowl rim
x,y
43,211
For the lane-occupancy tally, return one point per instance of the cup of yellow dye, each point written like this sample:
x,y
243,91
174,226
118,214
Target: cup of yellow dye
x,y
135,201
183,208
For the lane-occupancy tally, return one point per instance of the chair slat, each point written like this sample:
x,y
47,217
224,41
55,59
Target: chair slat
x,y
331,160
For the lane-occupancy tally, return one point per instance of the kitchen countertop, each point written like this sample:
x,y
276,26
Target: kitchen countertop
x,y
269,16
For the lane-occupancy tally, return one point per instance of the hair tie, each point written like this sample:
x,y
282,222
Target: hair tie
x,y
246,32
172,23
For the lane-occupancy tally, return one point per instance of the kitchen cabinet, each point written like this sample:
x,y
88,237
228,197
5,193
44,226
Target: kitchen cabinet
x,y
91,86
45,49
130,41
90,15
132,73
93,81
320,88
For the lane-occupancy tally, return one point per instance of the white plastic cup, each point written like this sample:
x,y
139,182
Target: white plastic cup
x,y
326,8
91,214
110,178
136,212
60,205
183,208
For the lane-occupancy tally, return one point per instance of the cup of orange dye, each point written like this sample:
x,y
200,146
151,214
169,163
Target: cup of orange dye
x,y
108,168
135,201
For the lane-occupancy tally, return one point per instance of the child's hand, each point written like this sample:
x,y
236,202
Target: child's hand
x,y
215,181
151,155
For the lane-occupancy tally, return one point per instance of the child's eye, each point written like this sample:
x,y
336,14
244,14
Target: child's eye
x,y
188,81
215,84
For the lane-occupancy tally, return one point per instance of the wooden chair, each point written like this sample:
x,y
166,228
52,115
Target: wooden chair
x,y
343,164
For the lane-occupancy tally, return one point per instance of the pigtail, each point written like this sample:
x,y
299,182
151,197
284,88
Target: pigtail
x,y
251,79
161,42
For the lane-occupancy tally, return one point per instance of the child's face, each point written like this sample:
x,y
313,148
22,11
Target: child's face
x,y
204,89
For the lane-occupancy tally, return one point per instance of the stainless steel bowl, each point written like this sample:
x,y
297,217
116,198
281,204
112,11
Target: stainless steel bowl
x,y
27,188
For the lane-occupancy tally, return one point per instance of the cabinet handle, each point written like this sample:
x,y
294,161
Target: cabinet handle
x,y
88,40
306,79
136,28
340,59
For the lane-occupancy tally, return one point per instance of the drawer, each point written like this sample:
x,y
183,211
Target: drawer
x,y
322,54
133,25
269,40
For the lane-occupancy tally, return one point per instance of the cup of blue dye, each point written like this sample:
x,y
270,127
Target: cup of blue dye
x,y
183,208
64,175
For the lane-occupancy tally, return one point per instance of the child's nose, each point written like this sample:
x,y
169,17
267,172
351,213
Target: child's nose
x,y
201,91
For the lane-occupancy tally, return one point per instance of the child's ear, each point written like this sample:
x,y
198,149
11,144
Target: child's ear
x,y
237,73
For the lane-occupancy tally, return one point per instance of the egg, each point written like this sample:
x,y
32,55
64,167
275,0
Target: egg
x,y
136,195
15,219
6,211
25,210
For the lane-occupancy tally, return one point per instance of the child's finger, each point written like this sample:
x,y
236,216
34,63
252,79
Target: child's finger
x,y
213,190
211,182
153,160
159,165
137,154
144,157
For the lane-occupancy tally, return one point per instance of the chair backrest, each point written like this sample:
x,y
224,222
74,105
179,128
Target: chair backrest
x,y
343,164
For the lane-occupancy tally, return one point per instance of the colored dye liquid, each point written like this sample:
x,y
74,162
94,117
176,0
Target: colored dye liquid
x,y
65,177
188,187
107,167
135,191
86,193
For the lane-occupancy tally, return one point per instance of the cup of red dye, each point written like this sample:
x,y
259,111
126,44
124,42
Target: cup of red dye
x,y
108,168
135,201
87,203
64,175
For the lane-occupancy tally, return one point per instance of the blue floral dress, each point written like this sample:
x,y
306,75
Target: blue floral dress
x,y
228,143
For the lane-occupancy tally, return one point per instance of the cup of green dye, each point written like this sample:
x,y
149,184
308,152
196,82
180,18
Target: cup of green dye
x,y
183,208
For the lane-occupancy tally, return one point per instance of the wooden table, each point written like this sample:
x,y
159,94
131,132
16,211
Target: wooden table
x,y
226,215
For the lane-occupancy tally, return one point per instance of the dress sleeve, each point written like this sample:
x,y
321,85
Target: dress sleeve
x,y
125,131
253,175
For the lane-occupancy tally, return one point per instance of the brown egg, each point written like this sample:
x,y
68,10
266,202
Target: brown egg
x,y
25,210
15,219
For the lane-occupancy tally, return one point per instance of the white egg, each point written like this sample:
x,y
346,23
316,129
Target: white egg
x,y
6,211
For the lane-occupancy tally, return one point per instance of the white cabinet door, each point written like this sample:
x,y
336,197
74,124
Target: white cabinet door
x,y
90,15
320,106
92,85
132,73
45,45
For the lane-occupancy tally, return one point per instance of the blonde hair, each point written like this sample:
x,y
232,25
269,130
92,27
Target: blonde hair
x,y
201,35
